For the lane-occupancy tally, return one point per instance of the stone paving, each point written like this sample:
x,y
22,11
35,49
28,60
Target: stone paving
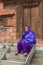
x,y
12,59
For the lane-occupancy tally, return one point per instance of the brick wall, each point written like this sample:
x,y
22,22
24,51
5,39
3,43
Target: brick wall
x,y
1,5
9,34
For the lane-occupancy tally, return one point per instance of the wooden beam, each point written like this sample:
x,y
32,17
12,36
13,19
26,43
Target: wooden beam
x,y
12,1
7,15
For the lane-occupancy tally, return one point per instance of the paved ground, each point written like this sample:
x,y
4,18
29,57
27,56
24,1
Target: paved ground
x,y
12,59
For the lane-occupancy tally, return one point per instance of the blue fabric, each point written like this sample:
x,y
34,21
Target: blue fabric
x,y
23,36
29,37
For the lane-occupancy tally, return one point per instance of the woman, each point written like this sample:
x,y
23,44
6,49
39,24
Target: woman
x,y
27,41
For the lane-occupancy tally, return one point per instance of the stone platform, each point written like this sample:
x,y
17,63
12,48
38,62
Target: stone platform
x,y
35,56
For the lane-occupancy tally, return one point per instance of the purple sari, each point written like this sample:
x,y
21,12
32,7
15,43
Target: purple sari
x,y
27,42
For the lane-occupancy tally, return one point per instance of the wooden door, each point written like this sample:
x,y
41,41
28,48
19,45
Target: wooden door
x,y
35,19
26,15
31,17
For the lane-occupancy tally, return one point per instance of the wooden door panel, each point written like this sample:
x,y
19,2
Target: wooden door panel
x,y
35,19
26,16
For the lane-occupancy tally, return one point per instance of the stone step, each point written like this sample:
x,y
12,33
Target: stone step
x,y
8,62
12,56
2,51
12,59
13,49
38,51
38,56
36,62
18,58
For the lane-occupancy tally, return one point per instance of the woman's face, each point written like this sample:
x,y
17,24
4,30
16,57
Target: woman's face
x,y
26,29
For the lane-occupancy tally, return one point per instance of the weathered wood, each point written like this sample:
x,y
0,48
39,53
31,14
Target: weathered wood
x,y
19,20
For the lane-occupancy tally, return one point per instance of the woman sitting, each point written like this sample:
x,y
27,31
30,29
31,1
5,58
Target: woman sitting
x,y
27,41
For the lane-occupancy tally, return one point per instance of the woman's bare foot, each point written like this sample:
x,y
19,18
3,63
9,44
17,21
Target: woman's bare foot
x,y
25,54
16,53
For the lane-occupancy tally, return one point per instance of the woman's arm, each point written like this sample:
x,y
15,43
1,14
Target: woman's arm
x,y
31,37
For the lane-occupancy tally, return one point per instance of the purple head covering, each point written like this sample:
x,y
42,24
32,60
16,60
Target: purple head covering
x,y
26,32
